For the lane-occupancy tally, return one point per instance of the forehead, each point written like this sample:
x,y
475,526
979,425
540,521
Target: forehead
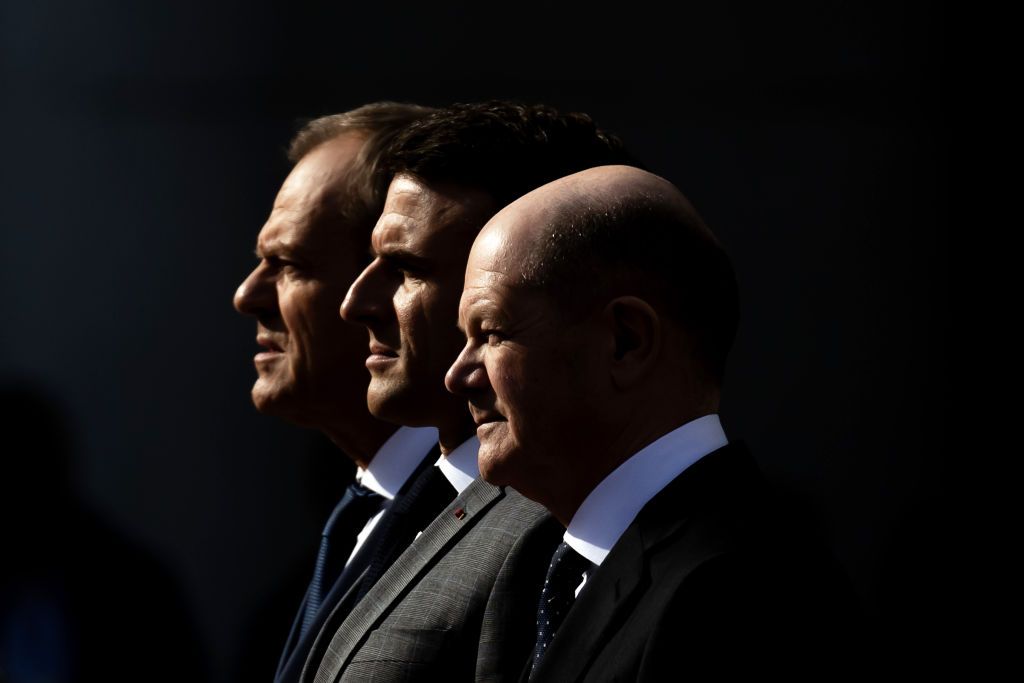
x,y
492,274
312,203
426,217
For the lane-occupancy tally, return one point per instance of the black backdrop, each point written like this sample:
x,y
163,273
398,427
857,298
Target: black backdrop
x,y
144,145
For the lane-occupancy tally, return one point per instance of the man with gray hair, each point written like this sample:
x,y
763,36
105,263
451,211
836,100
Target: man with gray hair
x,y
310,370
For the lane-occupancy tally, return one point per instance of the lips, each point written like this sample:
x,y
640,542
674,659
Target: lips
x,y
269,344
381,357
272,353
378,349
482,418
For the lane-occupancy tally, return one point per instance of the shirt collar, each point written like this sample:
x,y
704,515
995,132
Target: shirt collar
x,y
613,504
460,467
396,460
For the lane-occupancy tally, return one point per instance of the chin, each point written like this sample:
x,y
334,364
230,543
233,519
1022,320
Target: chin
x,y
384,404
278,402
493,466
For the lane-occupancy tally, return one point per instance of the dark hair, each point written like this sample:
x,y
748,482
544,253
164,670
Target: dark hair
x,y
643,246
502,148
378,123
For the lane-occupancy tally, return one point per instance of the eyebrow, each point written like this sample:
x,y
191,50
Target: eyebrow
x,y
278,247
401,257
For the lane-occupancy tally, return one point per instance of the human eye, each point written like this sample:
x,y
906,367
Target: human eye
x,y
283,263
397,267
493,336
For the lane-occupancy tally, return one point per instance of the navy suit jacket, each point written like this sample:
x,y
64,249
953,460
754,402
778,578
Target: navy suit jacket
x,y
712,579
424,495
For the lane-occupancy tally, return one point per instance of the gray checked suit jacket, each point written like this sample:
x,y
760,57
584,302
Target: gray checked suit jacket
x,y
459,604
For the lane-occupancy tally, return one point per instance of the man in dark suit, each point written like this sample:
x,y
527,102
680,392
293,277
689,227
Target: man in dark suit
x,y
311,372
458,604
598,312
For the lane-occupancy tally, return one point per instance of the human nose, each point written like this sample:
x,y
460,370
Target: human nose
x,y
254,295
364,301
467,374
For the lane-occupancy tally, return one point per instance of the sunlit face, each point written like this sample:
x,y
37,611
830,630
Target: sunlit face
x,y
408,298
309,253
527,372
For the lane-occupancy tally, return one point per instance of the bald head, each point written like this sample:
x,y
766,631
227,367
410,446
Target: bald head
x,y
598,311
613,231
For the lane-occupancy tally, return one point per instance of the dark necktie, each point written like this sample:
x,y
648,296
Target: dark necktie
x,y
564,575
337,540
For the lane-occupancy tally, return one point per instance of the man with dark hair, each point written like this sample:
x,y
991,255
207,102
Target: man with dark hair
x,y
311,369
598,312
458,603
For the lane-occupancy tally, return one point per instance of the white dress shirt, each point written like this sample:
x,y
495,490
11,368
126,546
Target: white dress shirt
x,y
460,467
610,508
390,468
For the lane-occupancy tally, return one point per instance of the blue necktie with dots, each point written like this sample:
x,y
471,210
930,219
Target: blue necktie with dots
x,y
337,540
564,575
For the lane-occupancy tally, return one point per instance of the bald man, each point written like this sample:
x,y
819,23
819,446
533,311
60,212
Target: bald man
x,y
599,311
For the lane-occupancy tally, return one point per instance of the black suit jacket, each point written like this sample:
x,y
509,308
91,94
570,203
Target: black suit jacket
x,y
423,496
711,579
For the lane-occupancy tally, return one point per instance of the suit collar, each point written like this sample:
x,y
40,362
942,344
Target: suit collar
x,y
610,594
606,596
421,496
615,502
397,460
461,467
441,534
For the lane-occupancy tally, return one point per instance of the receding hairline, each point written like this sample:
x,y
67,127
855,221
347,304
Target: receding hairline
x,y
367,119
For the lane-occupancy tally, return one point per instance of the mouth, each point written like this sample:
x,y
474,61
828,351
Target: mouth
x,y
380,356
482,418
272,349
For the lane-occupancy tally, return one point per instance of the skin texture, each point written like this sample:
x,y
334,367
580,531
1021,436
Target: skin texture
x,y
408,299
560,401
310,370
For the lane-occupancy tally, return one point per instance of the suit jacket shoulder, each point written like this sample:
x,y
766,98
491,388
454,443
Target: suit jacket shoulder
x,y
709,578
458,604
422,496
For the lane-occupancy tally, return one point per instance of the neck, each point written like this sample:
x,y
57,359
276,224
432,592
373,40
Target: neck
x,y
453,434
361,441
608,452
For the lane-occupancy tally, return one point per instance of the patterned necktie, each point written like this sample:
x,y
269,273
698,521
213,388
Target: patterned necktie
x,y
564,575
337,540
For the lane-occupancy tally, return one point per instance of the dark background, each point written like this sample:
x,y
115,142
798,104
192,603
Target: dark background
x,y
144,144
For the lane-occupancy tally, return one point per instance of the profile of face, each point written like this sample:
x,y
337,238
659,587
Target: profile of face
x,y
528,371
408,298
309,253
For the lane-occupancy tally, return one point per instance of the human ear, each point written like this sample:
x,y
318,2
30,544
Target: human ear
x,y
636,331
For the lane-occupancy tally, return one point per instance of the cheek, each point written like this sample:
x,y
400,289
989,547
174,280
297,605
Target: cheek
x,y
310,314
539,398
515,394
409,316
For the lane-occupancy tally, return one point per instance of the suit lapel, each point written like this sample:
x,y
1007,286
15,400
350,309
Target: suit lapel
x,y
605,598
445,530
419,500
429,494
610,595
